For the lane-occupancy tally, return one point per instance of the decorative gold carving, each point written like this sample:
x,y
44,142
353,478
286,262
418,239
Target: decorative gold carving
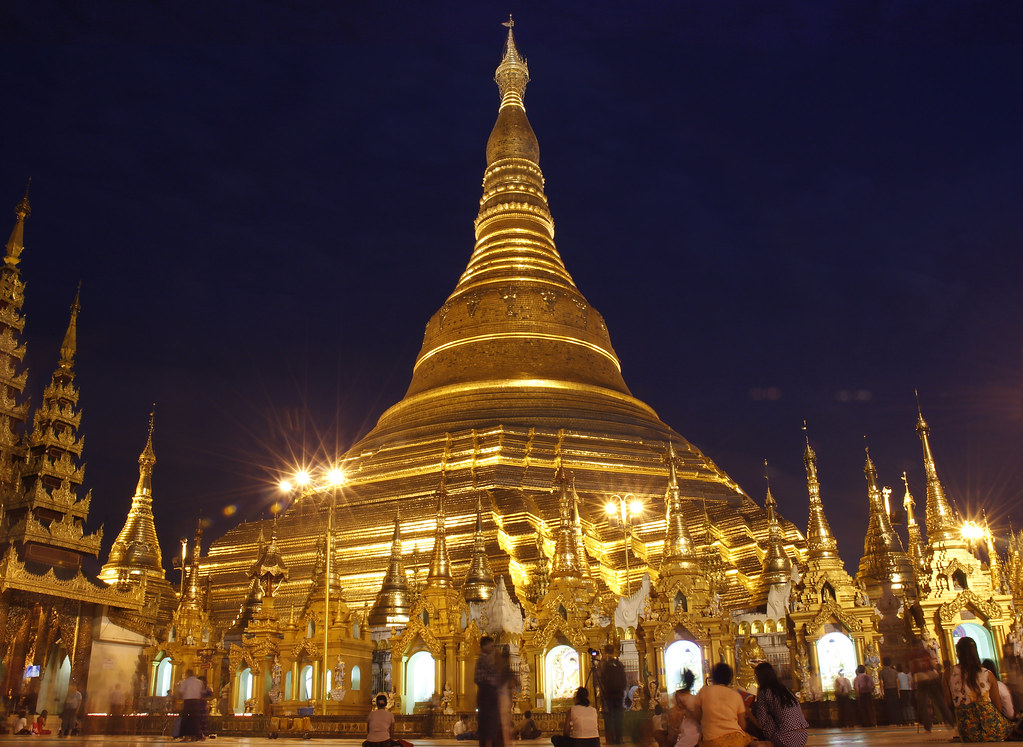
x,y
830,609
13,575
948,611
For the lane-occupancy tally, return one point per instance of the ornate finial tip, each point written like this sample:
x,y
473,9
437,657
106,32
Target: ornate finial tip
x,y
510,23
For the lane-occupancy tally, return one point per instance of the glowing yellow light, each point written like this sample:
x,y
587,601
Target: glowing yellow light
x,y
285,486
302,478
611,509
230,510
636,507
336,476
971,530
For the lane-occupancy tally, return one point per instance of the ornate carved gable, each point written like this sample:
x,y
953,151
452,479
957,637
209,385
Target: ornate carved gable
x,y
968,598
828,610
665,630
306,647
555,626
417,627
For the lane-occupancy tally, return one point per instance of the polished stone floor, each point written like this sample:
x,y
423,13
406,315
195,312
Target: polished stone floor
x,y
879,737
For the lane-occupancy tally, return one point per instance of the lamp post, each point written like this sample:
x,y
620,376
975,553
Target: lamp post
x,y
334,478
624,507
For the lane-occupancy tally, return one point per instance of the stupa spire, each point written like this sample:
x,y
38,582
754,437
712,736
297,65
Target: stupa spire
x,y
16,243
479,581
568,550
820,540
679,551
69,347
516,312
917,547
136,551
439,576
884,559
777,567
392,603
940,520
14,406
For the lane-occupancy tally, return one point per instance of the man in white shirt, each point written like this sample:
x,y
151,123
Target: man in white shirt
x,y
843,694
191,691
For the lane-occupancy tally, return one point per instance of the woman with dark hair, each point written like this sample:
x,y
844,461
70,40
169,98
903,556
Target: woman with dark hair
x,y
684,717
976,698
580,724
722,712
380,731
777,711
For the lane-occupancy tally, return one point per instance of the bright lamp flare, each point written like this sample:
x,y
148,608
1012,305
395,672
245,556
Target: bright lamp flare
x,y
611,509
285,486
336,476
636,508
972,531
302,478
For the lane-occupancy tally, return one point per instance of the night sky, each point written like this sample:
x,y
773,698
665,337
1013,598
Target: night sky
x,y
785,214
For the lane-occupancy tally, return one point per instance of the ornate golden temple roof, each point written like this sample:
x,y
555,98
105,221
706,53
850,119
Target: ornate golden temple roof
x,y
516,377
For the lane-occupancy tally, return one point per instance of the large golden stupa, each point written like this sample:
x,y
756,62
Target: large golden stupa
x,y
516,378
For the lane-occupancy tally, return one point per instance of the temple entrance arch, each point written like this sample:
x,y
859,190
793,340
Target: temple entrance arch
x,y
162,681
420,680
678,657
244,689
562,674
980,634
836,653
53,684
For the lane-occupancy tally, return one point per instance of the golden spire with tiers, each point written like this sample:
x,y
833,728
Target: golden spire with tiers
x,y
46,519
679,556
392,603
943,531
820,540
777,567
884,560
136,551
439,576
917,546
479,580
570,563
13,404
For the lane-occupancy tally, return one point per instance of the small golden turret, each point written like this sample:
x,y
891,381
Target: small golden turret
x,y
820,540
136,551
943,530
776,566
569,555
884,559
392,603
439,576
994,563
69,347
679,551
269,568
917,546
16,243
479,581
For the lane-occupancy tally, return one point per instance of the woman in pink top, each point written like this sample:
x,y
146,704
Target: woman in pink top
x,y
722,713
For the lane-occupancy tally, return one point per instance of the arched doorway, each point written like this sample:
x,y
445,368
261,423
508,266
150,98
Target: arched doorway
x,y
162,681
835,653
54,682
419,680
305,680
562,674
678,657
980,634
244,689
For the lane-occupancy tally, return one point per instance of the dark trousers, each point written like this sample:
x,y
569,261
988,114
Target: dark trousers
x,y
865,705
846,711
892,708
906,704
614,720
928,693
191,713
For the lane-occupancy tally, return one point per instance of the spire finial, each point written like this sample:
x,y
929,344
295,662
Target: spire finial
x,y
512,74
16,243
69,346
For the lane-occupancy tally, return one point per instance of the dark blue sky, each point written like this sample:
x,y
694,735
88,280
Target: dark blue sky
x,y
803,212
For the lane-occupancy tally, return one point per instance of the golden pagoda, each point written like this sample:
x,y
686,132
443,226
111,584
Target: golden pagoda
x,y
884,560
516,388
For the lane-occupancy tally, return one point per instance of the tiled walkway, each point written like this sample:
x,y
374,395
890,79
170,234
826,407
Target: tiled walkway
x,y
880,737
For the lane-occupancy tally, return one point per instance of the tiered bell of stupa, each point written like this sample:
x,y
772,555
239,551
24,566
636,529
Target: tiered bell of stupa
x,y
884,560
